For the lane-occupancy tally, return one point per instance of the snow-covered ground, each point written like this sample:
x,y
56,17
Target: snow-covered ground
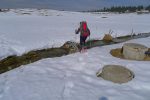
x,y
71,77
24,30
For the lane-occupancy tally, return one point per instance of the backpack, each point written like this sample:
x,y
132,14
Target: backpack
x,y
84,29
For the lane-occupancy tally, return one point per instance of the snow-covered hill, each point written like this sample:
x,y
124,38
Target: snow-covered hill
x,y
71,77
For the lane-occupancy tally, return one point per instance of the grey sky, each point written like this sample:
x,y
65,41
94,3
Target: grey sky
x,y
69,4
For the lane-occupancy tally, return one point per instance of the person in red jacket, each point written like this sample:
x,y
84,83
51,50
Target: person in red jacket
x,y
84,33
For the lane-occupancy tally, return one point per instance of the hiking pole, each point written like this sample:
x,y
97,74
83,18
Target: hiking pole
x,y
76,39
75,36
90,40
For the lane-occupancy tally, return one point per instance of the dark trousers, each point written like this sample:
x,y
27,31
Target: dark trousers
x,y
82,41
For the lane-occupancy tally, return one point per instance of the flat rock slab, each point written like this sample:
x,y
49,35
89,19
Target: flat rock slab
x,y
116,74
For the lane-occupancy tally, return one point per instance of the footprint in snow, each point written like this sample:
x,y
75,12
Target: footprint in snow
x,y
80,59
67,89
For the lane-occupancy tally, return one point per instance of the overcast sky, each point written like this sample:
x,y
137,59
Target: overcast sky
x,y
69,4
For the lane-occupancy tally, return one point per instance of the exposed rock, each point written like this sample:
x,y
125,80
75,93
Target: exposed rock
x,y
71,46
134,51
116,74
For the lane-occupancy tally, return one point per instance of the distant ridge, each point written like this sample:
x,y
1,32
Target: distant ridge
x,y
71,5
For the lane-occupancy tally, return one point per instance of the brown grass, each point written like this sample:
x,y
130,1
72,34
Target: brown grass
x,y
107,38
116,53
14,61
